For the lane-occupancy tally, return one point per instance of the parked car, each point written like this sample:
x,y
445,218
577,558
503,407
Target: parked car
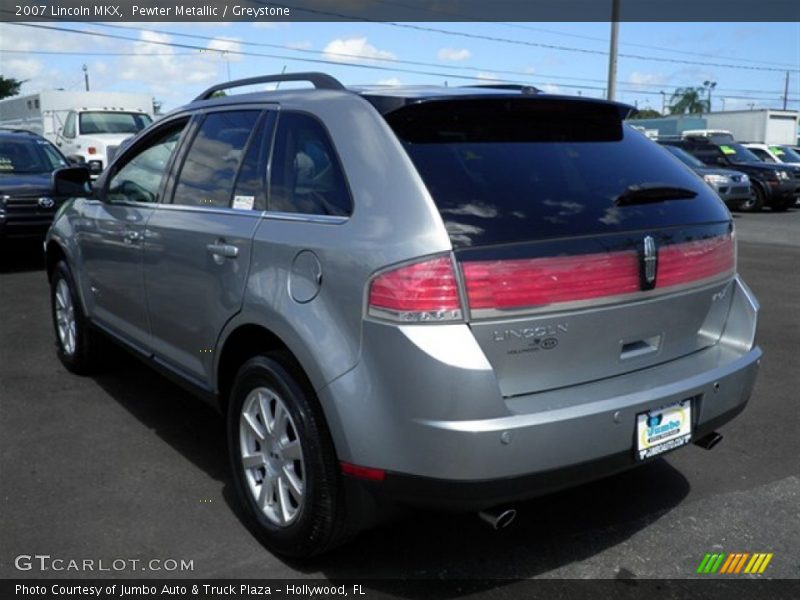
x,y
772,185
732,186
776,154
784,156
27,201
397,301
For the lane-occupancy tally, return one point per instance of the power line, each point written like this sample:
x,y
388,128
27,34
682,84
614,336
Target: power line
x,y
448,13
329,62
405,62
525,42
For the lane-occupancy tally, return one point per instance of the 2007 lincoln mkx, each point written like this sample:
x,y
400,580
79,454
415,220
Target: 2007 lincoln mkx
x,y
438,297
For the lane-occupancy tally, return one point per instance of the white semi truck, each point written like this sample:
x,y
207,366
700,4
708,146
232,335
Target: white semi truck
x,y
88,127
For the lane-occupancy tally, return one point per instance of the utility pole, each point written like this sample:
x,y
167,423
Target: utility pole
x,y
612,52
663,102
86,76
710,85
786,90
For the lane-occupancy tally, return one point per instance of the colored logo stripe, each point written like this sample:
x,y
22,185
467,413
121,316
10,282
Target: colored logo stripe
x,y
734,563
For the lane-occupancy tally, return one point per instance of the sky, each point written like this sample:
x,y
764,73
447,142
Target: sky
x,y
748,61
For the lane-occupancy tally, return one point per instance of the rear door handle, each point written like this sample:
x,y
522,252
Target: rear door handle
x,y
223,250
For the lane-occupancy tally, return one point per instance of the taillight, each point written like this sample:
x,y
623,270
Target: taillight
x,y
548,281
420,292
533,282
689,262
91,150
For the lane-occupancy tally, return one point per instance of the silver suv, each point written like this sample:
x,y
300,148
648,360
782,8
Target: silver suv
x,y
438,297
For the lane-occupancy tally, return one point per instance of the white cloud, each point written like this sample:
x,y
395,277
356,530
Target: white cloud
x,y
486,76
304,45
550,88
454,54
644,80
163,72
390,81
23,69
227,47
354,48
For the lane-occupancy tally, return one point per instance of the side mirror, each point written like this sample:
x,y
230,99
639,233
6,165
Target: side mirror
x,y
72,181
76,160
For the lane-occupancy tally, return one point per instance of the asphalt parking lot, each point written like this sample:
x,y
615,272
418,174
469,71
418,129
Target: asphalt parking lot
x,y
126,465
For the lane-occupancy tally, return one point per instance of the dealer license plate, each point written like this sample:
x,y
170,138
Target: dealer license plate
x,y
663,429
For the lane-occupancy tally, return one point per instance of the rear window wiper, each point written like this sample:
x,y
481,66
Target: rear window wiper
x,y
645,193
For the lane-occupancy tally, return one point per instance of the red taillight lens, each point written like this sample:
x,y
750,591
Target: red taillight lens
x,y
688,262
538,282
541,281
424,291
91,150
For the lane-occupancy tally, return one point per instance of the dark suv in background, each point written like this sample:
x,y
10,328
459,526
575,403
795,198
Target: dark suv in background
x,y
772,185
429,296
27,199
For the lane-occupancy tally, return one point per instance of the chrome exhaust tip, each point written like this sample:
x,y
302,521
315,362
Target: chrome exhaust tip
x,y
498,518
709,441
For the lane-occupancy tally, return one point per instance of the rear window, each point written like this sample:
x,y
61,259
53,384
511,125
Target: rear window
x,y
505,171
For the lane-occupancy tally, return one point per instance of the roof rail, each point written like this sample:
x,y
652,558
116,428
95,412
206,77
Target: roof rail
x,y
321,81
524,89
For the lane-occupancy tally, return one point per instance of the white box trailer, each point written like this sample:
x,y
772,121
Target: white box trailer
x,y
765,126
87,126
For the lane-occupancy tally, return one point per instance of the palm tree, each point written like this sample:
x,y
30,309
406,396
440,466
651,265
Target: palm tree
x,y
688,100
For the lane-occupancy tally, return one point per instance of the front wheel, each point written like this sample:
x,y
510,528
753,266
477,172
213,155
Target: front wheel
x,y
77,343
755,201
284,465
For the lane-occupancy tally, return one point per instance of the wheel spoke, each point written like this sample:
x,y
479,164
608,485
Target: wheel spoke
x,y
291,450
283,500
253,460
279,423
254,426
267,491
294,483
264,411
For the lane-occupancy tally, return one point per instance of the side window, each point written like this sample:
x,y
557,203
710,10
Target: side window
x,y
250,192
762,154
212,161
306,176
69,126
140,178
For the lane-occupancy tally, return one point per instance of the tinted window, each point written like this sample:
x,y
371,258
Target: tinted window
x,y
684,157
762,154
556,173
250,192
112,122
140,178
209,170
28,155
306,176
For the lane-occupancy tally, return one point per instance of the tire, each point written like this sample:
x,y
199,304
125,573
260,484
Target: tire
x,y
756,201
78,344
302,511
782,204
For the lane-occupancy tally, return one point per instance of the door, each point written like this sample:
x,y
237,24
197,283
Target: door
x,y
113,235
67,136
198,252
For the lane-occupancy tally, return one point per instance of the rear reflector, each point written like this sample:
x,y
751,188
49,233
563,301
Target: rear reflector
x,y
541,281
688,262
423,291
362,472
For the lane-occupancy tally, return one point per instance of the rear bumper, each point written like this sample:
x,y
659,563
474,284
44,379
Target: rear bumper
x,y
447,438
715,409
